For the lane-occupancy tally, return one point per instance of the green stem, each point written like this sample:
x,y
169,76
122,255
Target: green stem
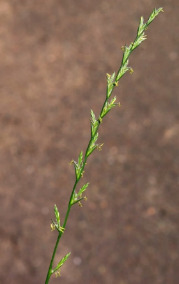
x,y
50,270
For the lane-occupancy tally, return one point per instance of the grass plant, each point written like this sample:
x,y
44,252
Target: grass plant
x,y
77,195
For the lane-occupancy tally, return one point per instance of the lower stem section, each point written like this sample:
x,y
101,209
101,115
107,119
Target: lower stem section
x,y
50,271
52,259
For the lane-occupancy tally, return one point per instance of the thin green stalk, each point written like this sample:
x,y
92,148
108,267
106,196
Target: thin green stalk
x,y
50,271
79,166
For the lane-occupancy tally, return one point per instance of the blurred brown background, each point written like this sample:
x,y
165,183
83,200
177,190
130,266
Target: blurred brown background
x,y
53,59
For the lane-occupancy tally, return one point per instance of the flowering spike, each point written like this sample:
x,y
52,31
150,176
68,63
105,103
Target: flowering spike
x,y
112,81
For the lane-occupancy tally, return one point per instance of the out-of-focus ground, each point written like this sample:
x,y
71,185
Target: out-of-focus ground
x,y
53,59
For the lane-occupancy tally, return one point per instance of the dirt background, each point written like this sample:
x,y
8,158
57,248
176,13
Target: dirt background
x,y
53,59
